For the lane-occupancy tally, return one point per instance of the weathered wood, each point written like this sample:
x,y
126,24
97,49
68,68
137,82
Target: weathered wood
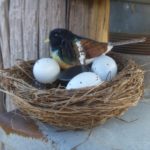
x,y
16,31
51,15
2,105
90,18
4,37
4,46
30,27
24,28
16,37
4,32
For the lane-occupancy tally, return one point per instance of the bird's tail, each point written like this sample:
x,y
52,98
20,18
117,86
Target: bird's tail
x,y
132,41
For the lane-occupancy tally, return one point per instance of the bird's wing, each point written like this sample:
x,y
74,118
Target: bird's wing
x,y
93,48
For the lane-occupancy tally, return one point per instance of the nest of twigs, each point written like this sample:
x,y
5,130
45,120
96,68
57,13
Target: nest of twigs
x,y
75,109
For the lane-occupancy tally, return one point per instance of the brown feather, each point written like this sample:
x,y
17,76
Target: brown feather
x,y
93,48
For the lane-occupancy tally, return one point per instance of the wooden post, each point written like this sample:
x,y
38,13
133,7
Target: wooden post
x,y
2,105
4,44
90,18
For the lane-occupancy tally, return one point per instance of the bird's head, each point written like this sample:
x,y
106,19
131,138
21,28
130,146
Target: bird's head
x,y
61,41
59,37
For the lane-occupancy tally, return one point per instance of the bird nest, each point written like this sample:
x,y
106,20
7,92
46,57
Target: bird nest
x,y
74,109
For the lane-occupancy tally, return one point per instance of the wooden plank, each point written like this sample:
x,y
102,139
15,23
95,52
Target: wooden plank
x,y
22,125
16,38
51,15
2,45
16,32
99,24
4,38
139,48
4,32
90,18
2,103
78,17
30,29
2,97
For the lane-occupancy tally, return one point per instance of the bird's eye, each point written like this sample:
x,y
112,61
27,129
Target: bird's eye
x,y
56,35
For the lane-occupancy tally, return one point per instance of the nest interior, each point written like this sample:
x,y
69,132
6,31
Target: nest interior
x,y
74,109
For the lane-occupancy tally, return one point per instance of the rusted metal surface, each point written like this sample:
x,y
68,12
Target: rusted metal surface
x,y
20,132
16,123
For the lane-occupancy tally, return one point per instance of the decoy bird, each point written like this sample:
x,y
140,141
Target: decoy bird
x,y
69,49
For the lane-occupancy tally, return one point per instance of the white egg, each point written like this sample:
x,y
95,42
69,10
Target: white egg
x,y
46,70
83,80
105,67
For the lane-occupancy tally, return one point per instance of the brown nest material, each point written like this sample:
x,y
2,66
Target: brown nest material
x,y
75,109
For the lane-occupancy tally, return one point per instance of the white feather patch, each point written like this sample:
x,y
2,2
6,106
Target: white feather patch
x,y
109,48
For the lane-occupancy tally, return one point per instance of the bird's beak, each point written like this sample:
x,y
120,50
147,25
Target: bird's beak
x,y
47,41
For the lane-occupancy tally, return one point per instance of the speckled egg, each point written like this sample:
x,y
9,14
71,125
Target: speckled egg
x,y
83,80
105,67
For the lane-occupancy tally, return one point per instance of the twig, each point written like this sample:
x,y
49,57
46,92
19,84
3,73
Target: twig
x,y
126,120
75,147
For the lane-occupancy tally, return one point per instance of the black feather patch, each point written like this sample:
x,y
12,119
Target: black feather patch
x,y
67,52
